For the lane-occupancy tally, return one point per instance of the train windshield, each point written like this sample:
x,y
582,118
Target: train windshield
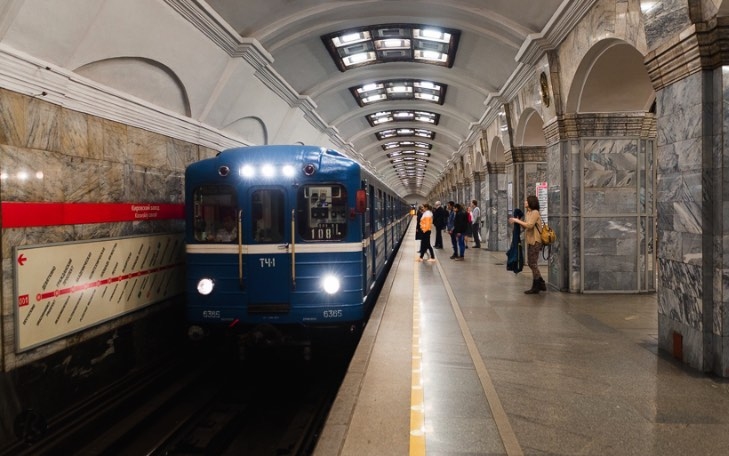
x,y
215,214
268,218
322,212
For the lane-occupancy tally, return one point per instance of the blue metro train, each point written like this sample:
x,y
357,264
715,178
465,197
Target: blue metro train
x,y
284,240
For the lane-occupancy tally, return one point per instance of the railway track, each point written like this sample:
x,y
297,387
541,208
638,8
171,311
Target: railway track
x,y
274,403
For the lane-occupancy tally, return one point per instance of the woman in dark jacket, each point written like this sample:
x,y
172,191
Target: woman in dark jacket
x,y
418,231
460,226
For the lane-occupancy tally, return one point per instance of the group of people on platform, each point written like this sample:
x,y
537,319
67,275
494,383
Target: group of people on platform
x,y
463,223
460,223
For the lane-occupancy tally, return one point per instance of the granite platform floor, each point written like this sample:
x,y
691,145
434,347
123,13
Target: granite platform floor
x,y
457,360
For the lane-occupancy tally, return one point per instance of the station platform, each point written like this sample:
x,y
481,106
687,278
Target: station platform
x,y
457,360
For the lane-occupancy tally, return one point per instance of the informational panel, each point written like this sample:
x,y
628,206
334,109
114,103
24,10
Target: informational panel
x,y
543,200
64,288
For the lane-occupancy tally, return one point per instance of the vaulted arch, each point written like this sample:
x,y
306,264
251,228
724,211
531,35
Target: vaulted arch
x,y
145,78
529,130
611,78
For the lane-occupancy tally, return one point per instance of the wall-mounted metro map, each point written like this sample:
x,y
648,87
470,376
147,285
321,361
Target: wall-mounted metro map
x,y
63,288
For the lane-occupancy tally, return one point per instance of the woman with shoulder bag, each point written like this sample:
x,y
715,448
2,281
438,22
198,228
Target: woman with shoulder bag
x,y
531,221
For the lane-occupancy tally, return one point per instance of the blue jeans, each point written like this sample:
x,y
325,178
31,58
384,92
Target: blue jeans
x,y
461,243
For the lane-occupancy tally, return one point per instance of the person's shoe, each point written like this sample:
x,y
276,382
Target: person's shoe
x,y
453,257
541,284
419,260
432,260
458,258
534,289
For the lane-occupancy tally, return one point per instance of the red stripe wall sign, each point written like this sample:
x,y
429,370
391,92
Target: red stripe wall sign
x,y
28,214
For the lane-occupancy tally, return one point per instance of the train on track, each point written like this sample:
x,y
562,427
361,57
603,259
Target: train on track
x,y
283,241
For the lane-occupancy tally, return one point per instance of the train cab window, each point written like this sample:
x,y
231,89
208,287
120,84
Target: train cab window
x,y
215,214
268,216
322,212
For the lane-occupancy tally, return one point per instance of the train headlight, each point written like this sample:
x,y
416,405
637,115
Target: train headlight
x,y
247,171
330,284
268,171
205,286
288,171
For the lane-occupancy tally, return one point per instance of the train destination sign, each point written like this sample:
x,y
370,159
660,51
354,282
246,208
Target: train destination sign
x,y
64,288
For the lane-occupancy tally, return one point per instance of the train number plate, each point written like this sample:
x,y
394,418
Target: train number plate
x,y
215,314
333,313
268,262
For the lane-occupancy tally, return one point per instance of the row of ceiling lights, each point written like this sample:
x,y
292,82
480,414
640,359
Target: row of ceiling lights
x,y
362,46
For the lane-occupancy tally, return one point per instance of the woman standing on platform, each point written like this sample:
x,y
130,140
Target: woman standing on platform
x,y
426,224
532,220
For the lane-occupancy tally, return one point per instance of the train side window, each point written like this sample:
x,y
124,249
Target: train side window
x,y
268,216
322,212
215,209
379,214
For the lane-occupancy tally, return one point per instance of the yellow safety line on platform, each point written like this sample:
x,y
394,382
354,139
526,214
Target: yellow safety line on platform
x,y
508,437
417,404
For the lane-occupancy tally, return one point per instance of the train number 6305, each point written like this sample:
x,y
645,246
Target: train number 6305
x,y
333,313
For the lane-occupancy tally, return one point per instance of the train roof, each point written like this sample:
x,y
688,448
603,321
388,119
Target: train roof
x,y
276,153
324,159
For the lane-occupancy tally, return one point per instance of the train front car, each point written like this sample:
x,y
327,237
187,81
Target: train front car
x,y
274,243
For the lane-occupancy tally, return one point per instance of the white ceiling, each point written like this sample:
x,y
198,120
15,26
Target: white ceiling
x,y
178,55
492,34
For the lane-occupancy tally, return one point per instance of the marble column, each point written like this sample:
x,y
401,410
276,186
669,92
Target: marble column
x,y
526,166
602,202
494,209
689,73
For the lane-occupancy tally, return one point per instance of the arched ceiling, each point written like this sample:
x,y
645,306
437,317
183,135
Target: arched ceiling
x,y
491,35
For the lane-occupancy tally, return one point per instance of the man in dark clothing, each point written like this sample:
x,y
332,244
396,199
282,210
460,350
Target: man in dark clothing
x,y
440,218
460,226
449,227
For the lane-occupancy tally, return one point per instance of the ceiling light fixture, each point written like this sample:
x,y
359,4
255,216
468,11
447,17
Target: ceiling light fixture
x,y
384,43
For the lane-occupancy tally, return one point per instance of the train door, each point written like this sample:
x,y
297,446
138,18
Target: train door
x,y
373,229
268,262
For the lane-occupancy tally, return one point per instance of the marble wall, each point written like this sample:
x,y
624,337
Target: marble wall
x,y
557,164
71,157
495,233
692,200
681,194
617,215
602,204
51,154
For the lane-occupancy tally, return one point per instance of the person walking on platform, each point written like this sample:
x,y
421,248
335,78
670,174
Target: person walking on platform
x,y
440,219
476,225
460,227
418,232
469,218
426,225
449,227
532,221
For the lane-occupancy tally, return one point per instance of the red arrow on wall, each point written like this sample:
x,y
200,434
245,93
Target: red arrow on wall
x,y
22,259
